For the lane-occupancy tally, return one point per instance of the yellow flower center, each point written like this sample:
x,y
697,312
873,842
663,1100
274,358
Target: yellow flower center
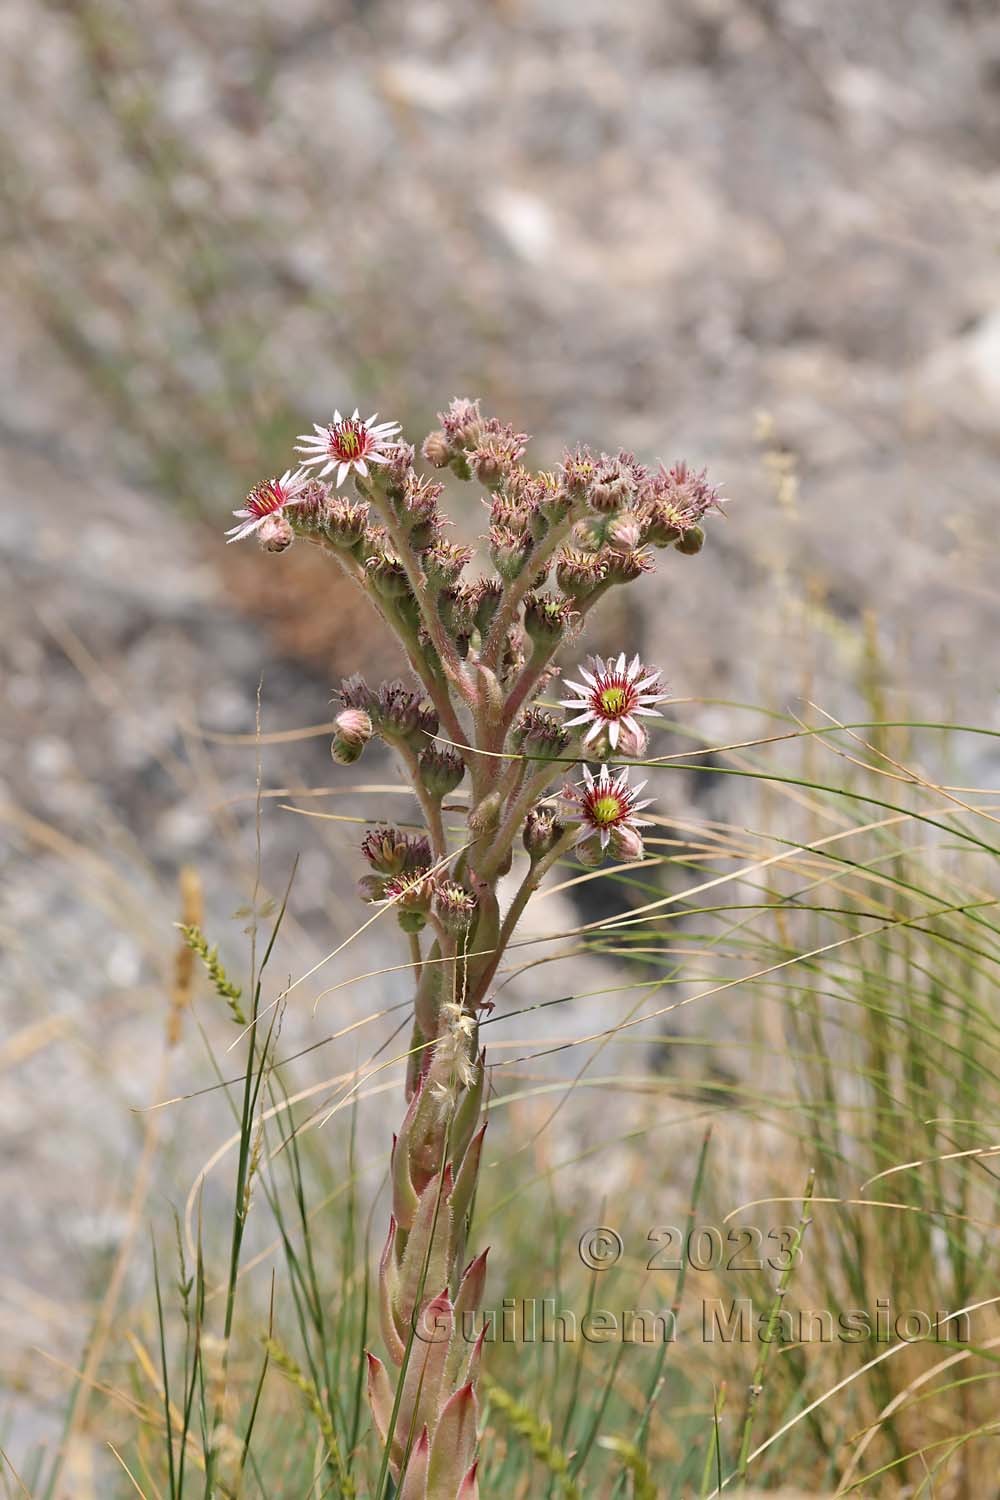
x,y
612,701
606,811
349,442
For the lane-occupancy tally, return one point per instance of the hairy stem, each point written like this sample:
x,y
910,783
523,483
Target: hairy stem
x,y
443,644
515,591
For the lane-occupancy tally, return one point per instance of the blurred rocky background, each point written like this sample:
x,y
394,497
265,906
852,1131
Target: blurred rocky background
x,y
757,234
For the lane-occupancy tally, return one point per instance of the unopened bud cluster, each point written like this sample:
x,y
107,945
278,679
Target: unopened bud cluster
x,y
488,755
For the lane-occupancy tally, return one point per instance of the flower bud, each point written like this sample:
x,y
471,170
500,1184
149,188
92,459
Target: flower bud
x,y
310,513
487,464
546,620
691,541
624,532
589,851
511,660
410,896
417,508
589,534
576,473
427,724
626,843
495,456
685,491
509,550
395,712
632,743
455,908
579,575
389,851
485,816
275,533
443,563
407,609
355,693
663,524
456,606
614,483
352,731
441,769
396,473
437,450
345,521
625,567
487,595
371,888
462,423
542,831
388,574
540,735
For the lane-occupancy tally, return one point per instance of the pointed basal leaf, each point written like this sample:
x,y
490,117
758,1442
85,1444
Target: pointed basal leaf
x,y
465,1184
404,1194
470,1485
423,1398
421,1137
426,1264
467,1114
388,1298
453,1446
471,1373
414,1485
380,1394
467,1303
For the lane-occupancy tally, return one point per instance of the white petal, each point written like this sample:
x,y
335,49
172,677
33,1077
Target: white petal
x,y
378,458
239,532
630,723
647,713
342,474
362,468
620,664
635,667
605,837
326,469
592,733
337,417
584,692
613,729
587,677
355,415
580,719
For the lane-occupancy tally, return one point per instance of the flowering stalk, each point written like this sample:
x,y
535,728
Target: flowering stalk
x,y
481,650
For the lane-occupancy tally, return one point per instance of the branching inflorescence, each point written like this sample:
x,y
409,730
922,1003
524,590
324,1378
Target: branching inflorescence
x,y
480,651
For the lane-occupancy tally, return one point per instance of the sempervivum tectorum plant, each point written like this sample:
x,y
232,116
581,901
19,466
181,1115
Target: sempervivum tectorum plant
x,y
468,724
